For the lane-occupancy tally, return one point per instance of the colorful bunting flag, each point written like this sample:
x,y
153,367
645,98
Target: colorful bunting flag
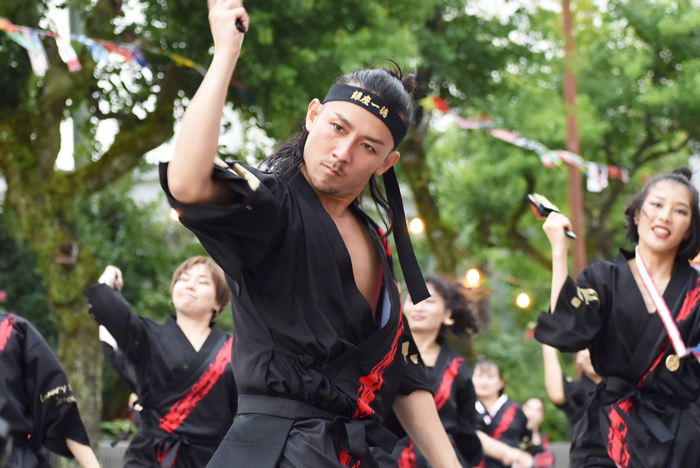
x,y
36,51
67,53
136,54
596,177
116,49
597,174
99,53
13,33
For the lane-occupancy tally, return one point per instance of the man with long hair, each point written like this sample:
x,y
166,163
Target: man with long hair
x,y
321,349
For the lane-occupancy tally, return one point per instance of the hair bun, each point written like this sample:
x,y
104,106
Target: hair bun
x,y
684,171
410,82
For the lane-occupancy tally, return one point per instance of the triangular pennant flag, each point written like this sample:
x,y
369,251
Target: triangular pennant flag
x,y
13,32
136,54
98,52
116,49
67,53
37,53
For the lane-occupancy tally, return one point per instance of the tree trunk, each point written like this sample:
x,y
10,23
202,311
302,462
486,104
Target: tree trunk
x,y
441,236
67,270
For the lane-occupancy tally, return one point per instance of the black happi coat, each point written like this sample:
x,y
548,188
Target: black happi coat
x,y
455,399
35,396
189,397
508,424
642,415
307,345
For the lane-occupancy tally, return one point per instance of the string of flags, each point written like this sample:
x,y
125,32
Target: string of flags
x,y
100,50
597,175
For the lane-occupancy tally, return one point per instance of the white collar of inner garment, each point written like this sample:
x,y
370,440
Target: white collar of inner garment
x,y
488,417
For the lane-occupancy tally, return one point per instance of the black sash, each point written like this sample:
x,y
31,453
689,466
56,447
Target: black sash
x,y
354,434
654,418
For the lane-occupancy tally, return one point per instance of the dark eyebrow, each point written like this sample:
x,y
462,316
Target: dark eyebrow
x,y
661,197
347,123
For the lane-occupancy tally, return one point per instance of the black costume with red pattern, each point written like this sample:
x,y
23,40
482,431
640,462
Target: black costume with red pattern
x,y
316,371
642,415
455,399
505,422
188,397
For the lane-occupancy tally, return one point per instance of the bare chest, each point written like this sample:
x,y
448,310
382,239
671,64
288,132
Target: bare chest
x,y
365,260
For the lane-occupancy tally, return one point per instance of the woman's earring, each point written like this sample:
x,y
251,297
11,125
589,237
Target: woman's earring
x,y
448,321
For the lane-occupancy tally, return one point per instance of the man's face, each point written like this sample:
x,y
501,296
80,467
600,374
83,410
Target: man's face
x,y
345,146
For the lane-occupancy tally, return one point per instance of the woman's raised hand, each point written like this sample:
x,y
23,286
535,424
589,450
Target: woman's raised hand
x,y
112,277
555,227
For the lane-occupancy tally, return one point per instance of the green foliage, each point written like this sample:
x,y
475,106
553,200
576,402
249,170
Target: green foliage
x,y
22,282
116,428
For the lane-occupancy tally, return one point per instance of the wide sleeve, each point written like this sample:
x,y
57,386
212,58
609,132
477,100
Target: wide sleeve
x,y
52,404
466,440
109,308
413,375
239,234
576,321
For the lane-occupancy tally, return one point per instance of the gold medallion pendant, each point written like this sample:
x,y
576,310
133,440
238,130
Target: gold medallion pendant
x,y
673,362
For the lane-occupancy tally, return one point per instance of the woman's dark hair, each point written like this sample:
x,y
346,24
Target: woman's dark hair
x,y
394,88
690,247
463,309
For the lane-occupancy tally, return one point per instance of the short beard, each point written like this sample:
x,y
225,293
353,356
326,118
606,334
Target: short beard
x,y
320,188
324,189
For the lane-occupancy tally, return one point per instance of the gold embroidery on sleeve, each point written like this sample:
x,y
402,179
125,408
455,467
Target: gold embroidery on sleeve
x,y
406,357
404,350
584,296
253,181
240,171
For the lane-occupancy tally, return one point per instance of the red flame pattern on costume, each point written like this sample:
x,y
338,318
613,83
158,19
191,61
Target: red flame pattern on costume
x,y
445,390
184,406
506,420
618,448
6,327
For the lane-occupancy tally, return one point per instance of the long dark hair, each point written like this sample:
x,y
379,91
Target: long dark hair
x,y
688,248
463,309
394,88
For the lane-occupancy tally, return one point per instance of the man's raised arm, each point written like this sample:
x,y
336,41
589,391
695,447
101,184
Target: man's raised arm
x,y
189,173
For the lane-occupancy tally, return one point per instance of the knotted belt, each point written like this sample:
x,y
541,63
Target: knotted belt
x,y
648,407
354,434
165,444
650,410
168,444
